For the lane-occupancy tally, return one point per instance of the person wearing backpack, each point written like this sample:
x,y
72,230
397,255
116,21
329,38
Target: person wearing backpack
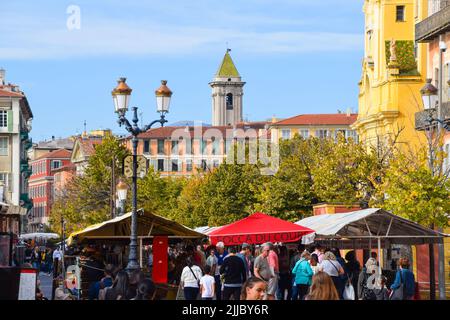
x,y
403,287
190,280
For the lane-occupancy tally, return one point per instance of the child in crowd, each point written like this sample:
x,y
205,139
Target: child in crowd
x,y
207,284
314,262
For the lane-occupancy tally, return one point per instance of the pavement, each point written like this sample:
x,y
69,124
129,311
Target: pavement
x,y
46,284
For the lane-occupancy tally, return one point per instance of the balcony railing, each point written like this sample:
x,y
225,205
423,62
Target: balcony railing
x,y
421,118
438,22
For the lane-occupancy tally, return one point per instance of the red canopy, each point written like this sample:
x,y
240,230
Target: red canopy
x,y
258,228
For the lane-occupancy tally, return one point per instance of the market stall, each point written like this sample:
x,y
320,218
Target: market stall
x,y
111,239
258,228
367,229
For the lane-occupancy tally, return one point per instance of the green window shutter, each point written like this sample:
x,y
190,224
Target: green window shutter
x,y
10,120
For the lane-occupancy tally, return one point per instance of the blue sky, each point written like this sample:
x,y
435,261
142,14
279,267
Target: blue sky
x,y
297,56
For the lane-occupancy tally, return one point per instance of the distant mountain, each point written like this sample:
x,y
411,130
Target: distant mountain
x,y
188,123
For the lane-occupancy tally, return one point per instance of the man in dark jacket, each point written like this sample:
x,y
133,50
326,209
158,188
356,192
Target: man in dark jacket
x,y
233,269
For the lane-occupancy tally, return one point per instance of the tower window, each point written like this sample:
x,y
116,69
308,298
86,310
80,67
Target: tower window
x,y
229,101
400,13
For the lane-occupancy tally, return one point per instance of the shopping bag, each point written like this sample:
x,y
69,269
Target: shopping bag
x,y
349,292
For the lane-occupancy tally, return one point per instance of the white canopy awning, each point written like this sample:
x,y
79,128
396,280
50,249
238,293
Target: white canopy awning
x,y
358,229
39,235
206,230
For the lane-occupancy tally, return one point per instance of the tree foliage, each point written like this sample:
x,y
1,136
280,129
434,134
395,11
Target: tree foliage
x,y
311,171
412,191
86,198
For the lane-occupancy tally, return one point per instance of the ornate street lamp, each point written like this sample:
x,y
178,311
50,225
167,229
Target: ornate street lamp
x,y
122,190
121,97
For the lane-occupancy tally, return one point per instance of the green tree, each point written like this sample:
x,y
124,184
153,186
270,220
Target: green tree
x,y
158,195
412,191
87,199
219,197
289,193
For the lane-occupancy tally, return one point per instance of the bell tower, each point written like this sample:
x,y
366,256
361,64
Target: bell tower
x,y
227,92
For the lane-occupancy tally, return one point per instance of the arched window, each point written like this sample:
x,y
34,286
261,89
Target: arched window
x,y
229,101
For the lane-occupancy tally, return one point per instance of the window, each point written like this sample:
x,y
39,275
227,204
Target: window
x,y
4,179
229,101
227,145
160,146
160,164
351,134
56,164
189,145
174,147
215,163
188,165
447,158
448,80
174,165
203,164
436,78
3,118
286,133
322,134
4,146
146,146
400,13
304,133
203,147
215,146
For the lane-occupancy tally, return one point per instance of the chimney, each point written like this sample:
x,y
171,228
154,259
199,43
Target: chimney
x,y
2,77
349,111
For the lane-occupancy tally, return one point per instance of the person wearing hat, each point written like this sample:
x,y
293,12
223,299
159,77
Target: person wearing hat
x,y
245,254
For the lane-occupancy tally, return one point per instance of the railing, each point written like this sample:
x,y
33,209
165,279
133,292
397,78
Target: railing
x,y
437,22
421,118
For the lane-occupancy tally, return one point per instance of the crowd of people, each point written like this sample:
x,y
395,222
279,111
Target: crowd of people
x,y
213,272
313,273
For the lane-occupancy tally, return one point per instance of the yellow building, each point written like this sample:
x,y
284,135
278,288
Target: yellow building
x,y
393,73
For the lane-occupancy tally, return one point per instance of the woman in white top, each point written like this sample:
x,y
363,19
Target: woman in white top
x,y
190,280
333,268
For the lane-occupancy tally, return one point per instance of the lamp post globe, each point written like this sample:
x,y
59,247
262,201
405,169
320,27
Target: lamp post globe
x,y
163,96
122,190
429,95
121,96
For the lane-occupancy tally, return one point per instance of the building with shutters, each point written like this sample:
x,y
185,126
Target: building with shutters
x,y
15,125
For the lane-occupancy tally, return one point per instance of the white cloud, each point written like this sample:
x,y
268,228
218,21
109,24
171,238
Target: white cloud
x,y
46,36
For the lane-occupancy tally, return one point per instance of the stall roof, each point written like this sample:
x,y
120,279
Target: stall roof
x,y
367,224
37,235
258,228
149,225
